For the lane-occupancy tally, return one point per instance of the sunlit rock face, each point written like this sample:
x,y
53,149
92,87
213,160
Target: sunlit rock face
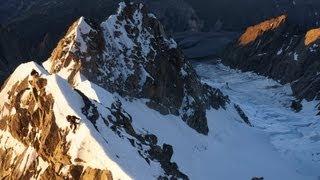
x,y
312,36
281,50
253,32
35,140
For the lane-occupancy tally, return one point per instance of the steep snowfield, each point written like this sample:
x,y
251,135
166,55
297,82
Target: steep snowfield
x,y
267,104
85,143
231,151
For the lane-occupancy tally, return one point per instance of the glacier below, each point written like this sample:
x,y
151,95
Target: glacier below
x,y
267,103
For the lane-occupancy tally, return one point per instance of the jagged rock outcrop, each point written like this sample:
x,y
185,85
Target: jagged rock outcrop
x,y
130,54
281,50
33,145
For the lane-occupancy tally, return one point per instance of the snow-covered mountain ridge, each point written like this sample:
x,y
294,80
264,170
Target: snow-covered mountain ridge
x,y
148,64
119,101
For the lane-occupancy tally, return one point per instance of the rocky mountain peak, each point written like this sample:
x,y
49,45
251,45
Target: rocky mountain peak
x,y
253,32
76,44
130,54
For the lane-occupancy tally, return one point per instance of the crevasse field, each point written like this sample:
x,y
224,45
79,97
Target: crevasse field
x,y
296,136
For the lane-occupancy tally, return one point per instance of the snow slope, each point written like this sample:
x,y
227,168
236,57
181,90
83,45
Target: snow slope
x,y
267,104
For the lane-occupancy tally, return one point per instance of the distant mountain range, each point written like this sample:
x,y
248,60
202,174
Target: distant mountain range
x,y
30,29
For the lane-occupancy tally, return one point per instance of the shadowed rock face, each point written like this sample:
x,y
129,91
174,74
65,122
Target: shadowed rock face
x,y
284,52
130,54
156,152
175,15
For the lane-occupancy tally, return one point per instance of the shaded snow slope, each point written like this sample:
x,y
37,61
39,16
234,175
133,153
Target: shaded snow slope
x,y
267,104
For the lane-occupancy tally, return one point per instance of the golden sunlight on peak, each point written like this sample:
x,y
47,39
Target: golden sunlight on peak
x,y
253,32
311,36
